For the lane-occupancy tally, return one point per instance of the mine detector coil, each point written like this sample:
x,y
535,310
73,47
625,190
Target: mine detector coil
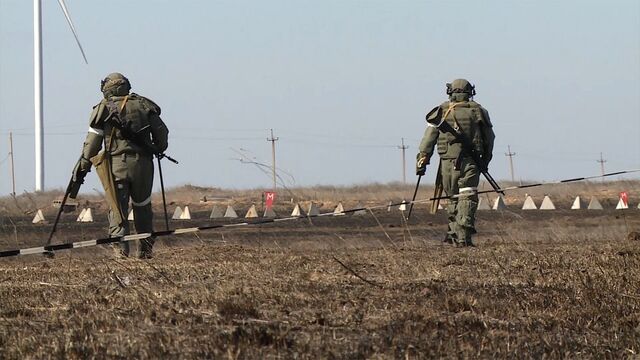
x,y
110,240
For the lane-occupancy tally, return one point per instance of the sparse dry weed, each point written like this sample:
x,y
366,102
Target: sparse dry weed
x,y
539,285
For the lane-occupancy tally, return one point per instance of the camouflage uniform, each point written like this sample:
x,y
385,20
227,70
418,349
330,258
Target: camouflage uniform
x,y
460,174
131,161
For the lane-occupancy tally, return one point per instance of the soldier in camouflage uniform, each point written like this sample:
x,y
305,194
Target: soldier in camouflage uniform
x,y
460,174
132,142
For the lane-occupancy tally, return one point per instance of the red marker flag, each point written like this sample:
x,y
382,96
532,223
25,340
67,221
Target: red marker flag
x,y
270,198
624,196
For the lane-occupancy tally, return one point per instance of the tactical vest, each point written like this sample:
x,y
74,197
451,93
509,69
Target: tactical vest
x,y
465,116
135,116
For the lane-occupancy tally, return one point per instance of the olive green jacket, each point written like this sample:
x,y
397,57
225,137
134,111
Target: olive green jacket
x,y
142,117
474,123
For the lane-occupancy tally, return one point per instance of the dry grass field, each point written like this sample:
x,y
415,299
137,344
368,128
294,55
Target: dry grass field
x,y
540,284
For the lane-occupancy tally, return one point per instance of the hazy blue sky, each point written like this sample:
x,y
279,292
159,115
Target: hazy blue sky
x,y
340,82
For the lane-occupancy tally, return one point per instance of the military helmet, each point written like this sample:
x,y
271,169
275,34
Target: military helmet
x,y
461,86
115,84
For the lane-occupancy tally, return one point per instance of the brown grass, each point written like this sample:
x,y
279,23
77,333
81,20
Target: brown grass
x,y
539,285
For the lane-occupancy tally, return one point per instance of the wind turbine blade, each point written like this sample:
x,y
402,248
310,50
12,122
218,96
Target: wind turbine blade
x,y
73,29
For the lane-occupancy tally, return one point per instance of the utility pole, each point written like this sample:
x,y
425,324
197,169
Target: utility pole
x,y
273,158
510,155
13,177
602,161
404,147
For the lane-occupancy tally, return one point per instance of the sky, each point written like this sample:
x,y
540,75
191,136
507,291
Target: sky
x,y
340,82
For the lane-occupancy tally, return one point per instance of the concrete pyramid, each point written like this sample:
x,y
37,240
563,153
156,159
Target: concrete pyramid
x,y
483,204
313,210
186,214
81,215
339,210
577,204
130,217
594,204
529,204
498,204
39,218
216,213
230,212
440,206
177,213
269,213
547,204
87,216
361,211
622,205
403,206
297,211
251,213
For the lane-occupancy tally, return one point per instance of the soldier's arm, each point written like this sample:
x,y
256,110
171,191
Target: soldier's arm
x,y
426,149
159,131
92,143
488,136
428,142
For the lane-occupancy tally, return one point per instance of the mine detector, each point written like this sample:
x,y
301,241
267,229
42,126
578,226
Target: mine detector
x,y
435,118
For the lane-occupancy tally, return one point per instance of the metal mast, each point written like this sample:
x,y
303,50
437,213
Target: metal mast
x,y
37,94
37,82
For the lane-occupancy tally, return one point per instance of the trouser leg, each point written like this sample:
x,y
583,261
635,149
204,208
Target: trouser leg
x,y
452,211
141,187
450,187
120,229
143,220
467,202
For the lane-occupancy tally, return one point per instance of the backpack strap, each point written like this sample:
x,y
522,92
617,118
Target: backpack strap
x,y
113,111
453,114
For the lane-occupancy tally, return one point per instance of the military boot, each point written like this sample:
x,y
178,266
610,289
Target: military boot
x,y
468,243
121,250
450,237
463,236
146,251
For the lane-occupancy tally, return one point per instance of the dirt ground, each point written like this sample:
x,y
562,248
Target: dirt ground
x,y
540,284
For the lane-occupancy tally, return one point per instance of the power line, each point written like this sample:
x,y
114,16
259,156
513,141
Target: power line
x,y
246,160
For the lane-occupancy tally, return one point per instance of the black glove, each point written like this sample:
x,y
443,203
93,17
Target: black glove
x,y
83,166
421,164
485,160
